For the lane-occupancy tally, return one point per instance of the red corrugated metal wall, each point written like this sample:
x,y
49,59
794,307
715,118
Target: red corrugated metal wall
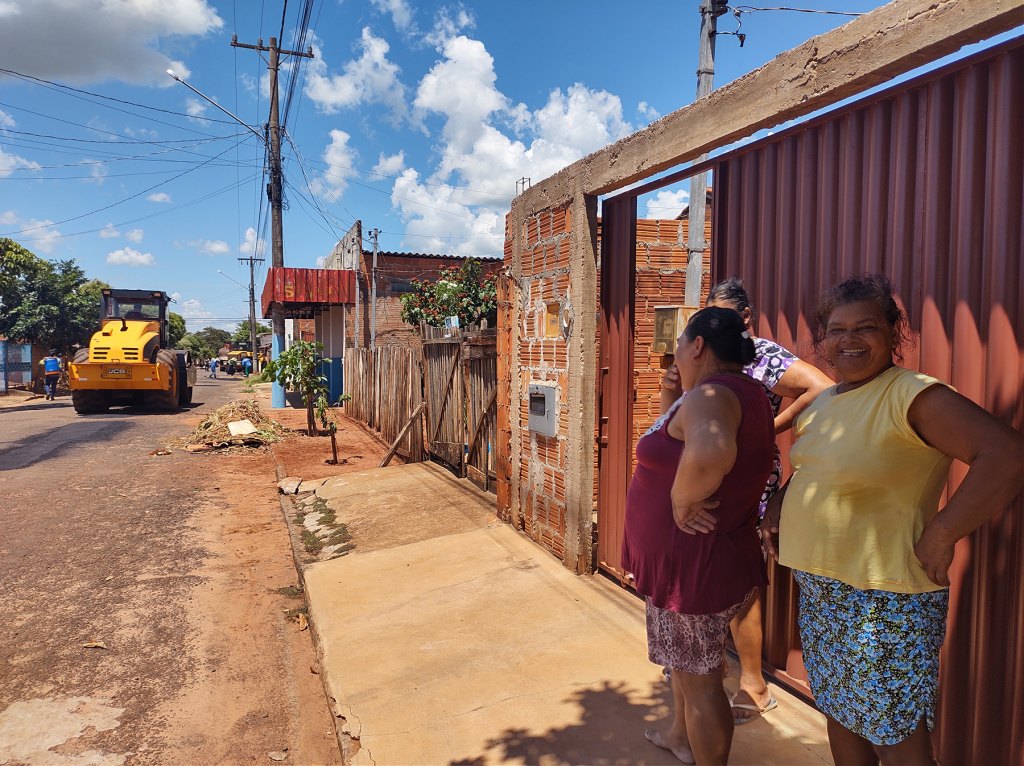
x,y
924,183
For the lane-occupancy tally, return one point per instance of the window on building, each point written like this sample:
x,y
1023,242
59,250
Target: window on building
x,y
399,286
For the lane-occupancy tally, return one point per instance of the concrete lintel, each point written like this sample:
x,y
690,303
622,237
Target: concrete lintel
x,y
866,52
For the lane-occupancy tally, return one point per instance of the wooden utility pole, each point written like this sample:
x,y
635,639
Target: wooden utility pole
x,y
274,188
252,260
695,244
373,291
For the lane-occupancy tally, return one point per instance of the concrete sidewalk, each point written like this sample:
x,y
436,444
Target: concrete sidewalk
x,y
446,637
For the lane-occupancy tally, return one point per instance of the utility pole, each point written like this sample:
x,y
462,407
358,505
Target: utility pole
x,y
373,291
252,260
710,10
274,192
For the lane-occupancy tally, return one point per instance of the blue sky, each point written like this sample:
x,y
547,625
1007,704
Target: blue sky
x,y
415,117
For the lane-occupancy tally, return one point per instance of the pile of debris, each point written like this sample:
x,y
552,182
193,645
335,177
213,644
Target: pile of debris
x,y
238,424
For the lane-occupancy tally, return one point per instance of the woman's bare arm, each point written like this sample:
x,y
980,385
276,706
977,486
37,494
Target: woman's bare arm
x,y
707,421
801,382
995,453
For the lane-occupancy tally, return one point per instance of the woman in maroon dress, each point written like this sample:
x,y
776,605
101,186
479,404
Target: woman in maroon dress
x,y
691,513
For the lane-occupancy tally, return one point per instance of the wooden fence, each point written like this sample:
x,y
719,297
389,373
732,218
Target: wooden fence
x,y
453,381
386,389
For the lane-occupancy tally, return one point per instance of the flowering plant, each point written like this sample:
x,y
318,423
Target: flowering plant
x,y
458,291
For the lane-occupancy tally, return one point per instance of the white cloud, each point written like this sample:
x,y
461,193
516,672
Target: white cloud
x,y
390,166
211,246
340,159
248,82
109,232
447,24
647,112
195,109
401,13
667,203
369,79
482,161
97,172
159,197
145,133
33,233
6,121
252,244
123,38
127,256
11,162
134,235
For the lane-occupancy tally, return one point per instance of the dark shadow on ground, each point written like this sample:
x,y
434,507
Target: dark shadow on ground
x,y
47,445
609,731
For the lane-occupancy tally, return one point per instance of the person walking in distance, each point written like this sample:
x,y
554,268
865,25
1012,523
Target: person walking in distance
x,y
213,368
51,373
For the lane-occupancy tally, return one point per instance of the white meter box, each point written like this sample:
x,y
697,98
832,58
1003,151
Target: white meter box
x,y
543,400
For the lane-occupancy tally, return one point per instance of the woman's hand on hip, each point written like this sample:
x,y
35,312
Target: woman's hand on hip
x,y
935,553
695,518
769,529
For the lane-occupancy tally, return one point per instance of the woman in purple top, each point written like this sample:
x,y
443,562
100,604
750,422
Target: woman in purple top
x,y
691,515
783,375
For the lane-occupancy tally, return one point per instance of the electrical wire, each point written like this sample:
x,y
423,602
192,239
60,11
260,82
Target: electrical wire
x,y
119,202
751,9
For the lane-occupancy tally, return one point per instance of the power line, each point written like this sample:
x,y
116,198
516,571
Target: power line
x,y
49,85
751,8
120,202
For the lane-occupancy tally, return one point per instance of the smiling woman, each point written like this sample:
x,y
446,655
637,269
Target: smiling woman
x,y
862,530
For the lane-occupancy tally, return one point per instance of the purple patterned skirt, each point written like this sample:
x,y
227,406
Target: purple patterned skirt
x,y
693,643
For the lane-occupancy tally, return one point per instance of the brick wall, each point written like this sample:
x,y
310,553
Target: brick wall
x,y
395,270
537,477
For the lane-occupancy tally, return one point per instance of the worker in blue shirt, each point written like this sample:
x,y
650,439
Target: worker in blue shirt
x,y
213,368
51,373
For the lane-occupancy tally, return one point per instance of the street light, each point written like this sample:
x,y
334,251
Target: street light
x,y
210,100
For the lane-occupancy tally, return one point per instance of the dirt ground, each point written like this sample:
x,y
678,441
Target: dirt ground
x,y
150,599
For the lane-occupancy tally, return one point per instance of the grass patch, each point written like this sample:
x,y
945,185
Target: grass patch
x,y
291,591
338,536
311,543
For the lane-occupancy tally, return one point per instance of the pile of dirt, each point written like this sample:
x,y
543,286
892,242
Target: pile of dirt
x,y
213,433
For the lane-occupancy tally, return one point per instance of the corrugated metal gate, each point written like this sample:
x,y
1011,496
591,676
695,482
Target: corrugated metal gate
x,y
15,364
925,183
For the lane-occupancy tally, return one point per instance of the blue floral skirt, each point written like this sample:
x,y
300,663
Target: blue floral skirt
x,y
872,656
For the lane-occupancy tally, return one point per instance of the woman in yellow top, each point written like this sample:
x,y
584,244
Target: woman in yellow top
x,y
861,528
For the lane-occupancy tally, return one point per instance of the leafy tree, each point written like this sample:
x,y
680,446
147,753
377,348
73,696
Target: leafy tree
x,y
214,337
298,368
175,329
46,302
242,333
463,292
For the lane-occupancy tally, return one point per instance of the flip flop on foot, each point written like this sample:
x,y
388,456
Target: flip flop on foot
x,y
753,710
657,739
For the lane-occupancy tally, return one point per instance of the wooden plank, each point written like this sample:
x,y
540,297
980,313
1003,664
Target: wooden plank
x,y
483,416
394,447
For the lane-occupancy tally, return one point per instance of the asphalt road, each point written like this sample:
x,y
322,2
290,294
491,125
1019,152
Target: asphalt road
x,y
100,544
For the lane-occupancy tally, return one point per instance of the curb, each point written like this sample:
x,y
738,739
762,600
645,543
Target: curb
x,y
344,739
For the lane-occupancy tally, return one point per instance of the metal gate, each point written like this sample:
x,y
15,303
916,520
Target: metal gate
x,y
923,183
15,365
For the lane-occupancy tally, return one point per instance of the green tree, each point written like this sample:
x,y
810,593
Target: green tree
x,y
175,329
46,302
298,368
242,333
195,344
463,292
214,338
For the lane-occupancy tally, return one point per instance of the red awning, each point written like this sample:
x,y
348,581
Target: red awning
x,y
303,291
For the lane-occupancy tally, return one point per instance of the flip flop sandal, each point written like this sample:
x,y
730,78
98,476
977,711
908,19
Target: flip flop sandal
x,y
757,711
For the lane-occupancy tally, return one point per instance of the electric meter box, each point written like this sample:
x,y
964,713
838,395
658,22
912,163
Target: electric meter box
x,y
543,398
669,322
